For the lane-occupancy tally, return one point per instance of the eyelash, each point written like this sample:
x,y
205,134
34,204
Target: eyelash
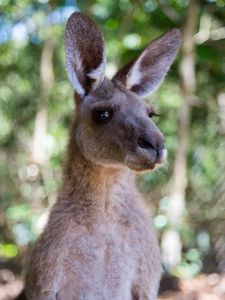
x,y
153,114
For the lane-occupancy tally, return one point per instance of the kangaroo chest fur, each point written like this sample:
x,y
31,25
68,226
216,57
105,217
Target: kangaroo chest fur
x,y
111,255
107,260
102,261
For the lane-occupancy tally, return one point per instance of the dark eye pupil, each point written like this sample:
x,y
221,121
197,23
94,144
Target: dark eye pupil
x,y
102,116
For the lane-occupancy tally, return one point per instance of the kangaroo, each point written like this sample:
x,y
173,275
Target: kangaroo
x,y
99,243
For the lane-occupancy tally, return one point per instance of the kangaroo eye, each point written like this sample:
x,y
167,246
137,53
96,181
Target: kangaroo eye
x,y
102,116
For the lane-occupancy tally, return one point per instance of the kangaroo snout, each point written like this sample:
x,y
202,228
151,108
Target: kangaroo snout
x,y
154,144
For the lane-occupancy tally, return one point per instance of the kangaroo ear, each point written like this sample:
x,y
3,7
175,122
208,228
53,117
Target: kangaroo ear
x,y
85,54
143,75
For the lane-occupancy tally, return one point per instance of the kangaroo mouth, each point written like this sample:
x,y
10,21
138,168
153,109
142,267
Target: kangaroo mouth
x,y
140,162
139,166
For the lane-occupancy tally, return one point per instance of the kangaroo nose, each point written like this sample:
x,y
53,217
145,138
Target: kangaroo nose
x,y
156,143
143,142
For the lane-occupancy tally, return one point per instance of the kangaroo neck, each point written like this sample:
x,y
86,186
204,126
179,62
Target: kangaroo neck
x,y
89,188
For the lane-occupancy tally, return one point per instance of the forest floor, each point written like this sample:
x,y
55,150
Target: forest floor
x,y
202,287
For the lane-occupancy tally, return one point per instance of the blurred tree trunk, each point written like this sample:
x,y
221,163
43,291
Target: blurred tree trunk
x,y
171,243
39,154
218,234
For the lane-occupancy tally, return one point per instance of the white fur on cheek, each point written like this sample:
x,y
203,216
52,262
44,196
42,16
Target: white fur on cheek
x,y
164,156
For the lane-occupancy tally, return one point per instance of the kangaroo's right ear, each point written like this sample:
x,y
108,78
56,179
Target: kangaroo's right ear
x,y
85,53
144,74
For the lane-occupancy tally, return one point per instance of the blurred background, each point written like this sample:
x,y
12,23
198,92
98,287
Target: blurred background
x,y
187,197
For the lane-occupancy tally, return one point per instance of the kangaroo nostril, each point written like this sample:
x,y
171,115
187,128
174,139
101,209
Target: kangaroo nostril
x,y
143,143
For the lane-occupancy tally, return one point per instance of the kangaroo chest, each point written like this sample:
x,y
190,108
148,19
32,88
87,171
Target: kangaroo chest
x,y
103,261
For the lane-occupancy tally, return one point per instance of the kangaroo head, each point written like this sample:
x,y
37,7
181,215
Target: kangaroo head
x,y
113,123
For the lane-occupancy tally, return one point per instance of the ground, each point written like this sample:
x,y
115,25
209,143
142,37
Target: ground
x,y
202,287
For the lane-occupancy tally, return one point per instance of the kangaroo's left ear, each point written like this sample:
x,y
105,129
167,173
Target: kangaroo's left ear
x,y
143,75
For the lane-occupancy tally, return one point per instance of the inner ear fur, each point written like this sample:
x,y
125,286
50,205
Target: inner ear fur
x,y
144,74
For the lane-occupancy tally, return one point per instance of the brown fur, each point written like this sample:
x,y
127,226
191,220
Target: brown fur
x,y
99,242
